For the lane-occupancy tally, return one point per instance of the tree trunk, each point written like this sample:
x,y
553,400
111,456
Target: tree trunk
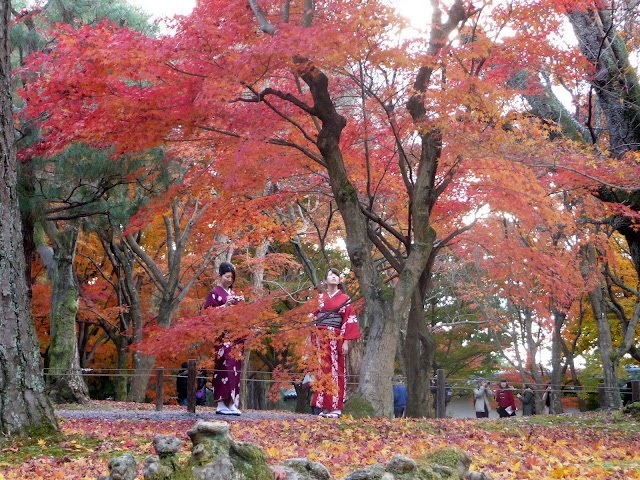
x,y
570,363
384,308
131,321
257,282
378,360
23,402
64,379
608,355
420,351
172,288
142,370
556,362
121,382
617,88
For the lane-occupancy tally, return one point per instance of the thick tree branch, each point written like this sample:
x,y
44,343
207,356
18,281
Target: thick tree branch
x,y
265,25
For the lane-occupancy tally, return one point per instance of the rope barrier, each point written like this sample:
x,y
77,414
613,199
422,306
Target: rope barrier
x,y
453,384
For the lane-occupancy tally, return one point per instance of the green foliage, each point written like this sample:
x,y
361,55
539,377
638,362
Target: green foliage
x,y
38,441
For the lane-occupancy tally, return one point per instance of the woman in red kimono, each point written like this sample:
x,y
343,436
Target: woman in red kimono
x,y
338,326
226,376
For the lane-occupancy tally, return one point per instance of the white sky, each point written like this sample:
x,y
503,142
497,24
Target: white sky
x,y
413,9
165,8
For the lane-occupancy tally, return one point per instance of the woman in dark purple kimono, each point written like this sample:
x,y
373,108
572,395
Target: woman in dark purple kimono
x,y
226,376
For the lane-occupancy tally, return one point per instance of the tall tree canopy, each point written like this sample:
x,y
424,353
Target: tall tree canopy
x,y
413,134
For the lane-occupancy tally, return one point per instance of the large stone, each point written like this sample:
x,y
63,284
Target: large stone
x,y
453,459
123,467
164,465
166,445
216,456
305,469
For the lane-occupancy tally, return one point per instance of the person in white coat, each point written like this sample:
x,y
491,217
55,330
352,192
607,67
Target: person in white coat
x,y
481,395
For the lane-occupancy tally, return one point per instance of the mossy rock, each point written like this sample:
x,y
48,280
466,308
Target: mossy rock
x,y
358,407
632,409
250,460
452,458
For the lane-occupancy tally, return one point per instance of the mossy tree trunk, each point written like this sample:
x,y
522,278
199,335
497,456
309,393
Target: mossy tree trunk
x,y
64,378
420,352
23,402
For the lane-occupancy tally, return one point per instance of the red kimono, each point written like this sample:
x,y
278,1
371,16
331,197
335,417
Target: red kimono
x,y
337,319
226,374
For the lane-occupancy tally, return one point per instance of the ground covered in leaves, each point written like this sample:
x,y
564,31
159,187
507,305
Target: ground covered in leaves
x,y
589,446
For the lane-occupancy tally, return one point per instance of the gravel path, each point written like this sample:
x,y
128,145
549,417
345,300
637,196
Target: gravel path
x,y
172,415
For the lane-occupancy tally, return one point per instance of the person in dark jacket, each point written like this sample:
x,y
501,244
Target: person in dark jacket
x,y
528,400
181,384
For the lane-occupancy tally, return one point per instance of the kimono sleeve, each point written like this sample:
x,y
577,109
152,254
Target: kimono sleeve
x,y
350,329
215,298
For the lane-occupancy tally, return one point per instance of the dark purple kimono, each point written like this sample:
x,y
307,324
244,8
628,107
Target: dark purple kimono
x,y
226,374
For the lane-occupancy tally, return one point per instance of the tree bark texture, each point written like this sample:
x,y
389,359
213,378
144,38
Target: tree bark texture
x,y
617,88
23,402
131,320
610,360
420,352
142,371
556,361
64,379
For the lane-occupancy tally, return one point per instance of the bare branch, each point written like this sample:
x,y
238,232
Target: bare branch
x,y
265,25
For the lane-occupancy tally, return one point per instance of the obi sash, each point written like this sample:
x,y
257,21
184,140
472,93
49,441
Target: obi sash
x,y
329,319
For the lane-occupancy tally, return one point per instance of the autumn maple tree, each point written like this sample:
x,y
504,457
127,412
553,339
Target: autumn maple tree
x,y
412,137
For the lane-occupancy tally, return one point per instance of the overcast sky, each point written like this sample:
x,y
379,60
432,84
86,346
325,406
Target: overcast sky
x,y
413,9
166,8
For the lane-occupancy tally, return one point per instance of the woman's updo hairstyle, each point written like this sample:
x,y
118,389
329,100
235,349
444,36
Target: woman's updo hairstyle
x,y
226,267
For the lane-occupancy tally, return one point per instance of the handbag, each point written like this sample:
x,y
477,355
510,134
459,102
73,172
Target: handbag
x,y
200,393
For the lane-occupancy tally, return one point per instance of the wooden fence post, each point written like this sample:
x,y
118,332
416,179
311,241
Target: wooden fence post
x,y
635,391
441,406
159,388
602,397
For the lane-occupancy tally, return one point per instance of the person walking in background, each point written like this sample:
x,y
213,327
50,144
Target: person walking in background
x,y
506,400
337,326
546,397
201,387
481,400
528,400
181,385
399,397
227,364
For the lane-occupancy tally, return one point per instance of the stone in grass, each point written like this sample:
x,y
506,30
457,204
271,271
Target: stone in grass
x,y
163,465
123,467
453,462
216,456
305,469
